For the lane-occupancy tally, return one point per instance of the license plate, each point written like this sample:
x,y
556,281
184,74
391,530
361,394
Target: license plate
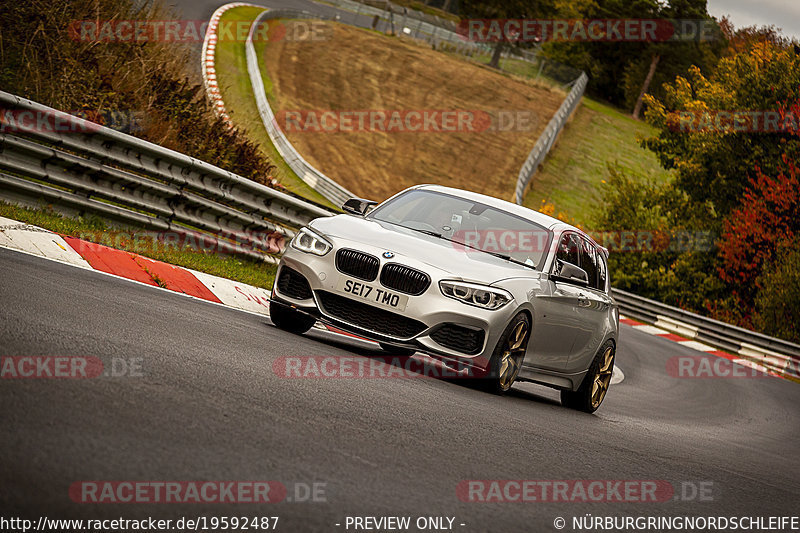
x,y
371,294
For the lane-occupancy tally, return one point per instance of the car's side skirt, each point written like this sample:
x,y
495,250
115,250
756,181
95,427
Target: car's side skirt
x,y
551,378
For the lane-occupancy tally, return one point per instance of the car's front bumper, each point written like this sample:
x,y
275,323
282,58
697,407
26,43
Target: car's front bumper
x,y
432,309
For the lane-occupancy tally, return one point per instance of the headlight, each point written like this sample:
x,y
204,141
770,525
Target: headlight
x,y
309,242
477,295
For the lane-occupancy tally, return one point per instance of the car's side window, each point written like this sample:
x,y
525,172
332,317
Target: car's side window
x,y
602,270
568,251
589,262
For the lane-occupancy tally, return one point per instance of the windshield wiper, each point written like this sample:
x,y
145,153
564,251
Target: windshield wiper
x,y
509,258
429,232
425,231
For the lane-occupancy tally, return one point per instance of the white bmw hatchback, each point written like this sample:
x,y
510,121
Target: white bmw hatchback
x,y
487,287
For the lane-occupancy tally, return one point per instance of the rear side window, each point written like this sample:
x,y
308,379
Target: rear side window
x,y
602,270
589,262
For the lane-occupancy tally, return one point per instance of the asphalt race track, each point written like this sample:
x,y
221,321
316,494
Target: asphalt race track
x,y
208,406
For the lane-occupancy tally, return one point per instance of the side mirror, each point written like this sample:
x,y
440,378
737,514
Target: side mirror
x,y
358,206
569,273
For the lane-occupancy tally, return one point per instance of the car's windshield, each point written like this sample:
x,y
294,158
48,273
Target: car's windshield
x,y
473,227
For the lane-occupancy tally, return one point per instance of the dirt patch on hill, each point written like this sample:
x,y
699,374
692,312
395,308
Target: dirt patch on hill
x,y
493,120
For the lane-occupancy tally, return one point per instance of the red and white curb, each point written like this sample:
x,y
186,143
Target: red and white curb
x,y
208,61
752,357
133,267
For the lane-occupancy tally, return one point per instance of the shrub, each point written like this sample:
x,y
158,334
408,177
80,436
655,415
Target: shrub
x,y
778,300
41,61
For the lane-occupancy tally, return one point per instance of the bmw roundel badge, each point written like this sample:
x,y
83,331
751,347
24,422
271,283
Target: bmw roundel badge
x,y
388,255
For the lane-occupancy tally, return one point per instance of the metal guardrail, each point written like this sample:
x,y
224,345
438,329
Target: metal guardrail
x,y
549,135
776,354
410,13
86,167
304,170
417,21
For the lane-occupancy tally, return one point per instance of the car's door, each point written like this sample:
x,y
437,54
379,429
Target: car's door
x,y
558,323
593,310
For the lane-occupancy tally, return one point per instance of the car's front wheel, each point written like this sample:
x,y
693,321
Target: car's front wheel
x,y
289,319
508,355
595,384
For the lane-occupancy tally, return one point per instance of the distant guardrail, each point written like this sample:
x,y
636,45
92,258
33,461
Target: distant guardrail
x,y
410,13
775,354
86,167
548,136
304,170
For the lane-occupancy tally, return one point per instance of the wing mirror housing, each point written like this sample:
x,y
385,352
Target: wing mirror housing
x,y
358,206
569,273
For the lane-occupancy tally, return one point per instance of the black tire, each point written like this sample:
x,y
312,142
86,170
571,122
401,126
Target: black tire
x,y
507,356
290,320
595,384
397,350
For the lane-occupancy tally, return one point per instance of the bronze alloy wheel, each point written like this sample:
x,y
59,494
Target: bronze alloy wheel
x,y
592,390
603,377
512,355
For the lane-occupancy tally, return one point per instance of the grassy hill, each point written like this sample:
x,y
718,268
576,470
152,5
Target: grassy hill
x,y
362,70
572,176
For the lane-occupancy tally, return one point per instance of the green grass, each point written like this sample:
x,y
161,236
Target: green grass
x,y
574,172
240,103
91,228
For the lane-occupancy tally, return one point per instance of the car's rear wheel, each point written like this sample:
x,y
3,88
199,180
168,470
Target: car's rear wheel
x,y
595,384
289,319
508,355
396,350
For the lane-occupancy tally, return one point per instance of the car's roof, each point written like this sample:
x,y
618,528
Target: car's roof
x,y
547,221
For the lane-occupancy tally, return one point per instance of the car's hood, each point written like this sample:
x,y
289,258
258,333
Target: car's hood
x,y
438,253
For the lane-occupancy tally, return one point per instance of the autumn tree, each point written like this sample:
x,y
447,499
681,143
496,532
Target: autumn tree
x,y
715,161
